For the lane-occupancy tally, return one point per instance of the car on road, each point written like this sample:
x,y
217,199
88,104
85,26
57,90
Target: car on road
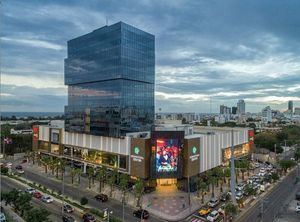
x,y
37,195
30,190
213,202
20,171
221,210
140,213
88,218
213,216
67,218
68,208
47,199
8,164
204,210
2,217
241,186
101,197
297,209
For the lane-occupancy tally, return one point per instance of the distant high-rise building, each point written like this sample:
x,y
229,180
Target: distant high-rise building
x,y
234,110
290,106
297,110
267,114
241,107
224,110
110,77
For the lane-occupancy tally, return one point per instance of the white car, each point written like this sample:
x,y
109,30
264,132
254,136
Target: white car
x,y
20,171
213,216
30,190
2,217
8,164
47,199
238,195
298,208
213,202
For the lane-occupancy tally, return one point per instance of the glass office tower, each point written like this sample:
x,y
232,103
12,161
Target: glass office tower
x,y
110,74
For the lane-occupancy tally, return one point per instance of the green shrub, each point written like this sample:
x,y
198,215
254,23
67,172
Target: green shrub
x,y
96,212
84,201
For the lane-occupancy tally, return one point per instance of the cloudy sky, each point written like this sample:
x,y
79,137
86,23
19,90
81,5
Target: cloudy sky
x,y
205,50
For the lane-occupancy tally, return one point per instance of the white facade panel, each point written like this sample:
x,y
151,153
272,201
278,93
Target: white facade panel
x,y
44,133
107,144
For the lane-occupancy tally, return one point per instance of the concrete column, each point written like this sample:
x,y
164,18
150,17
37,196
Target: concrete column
x,y
84,167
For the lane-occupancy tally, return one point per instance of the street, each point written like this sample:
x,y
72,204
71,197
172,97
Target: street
x,y
272,202
76,194
54,208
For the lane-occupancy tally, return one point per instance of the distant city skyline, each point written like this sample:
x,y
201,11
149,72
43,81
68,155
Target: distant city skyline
x,y
204,56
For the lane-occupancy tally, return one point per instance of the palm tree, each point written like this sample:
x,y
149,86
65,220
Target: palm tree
x,y
124,179
73,174
61,167
213,181
138,190
111,180
78,172
91,173
101,175
46,161
227,174
230,209
52,164
202,188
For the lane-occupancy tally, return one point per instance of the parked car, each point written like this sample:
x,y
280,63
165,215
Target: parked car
x,y
19,167
30,190
140,213
37,195
262,188
241,186
67,218
213,202
239,195
297,209
2,217
204,210
47,199
213,216
224,197
221,210
101,197
88,218
68,208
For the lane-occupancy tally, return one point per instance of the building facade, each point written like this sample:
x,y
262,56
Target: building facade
x,y
168,155
110,75
241,107
266,115
290,106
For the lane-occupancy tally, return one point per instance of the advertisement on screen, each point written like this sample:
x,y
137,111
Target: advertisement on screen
x,y
166,154
167,151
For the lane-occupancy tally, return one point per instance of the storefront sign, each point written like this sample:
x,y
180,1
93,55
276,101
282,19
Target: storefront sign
x,y
137,158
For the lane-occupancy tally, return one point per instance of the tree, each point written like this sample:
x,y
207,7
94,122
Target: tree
x,y
213,181
275,176
37,215
138,190
124,180
286,164
78,173
297,154
20,201
227,174
101,175
112,180
73,174
230,209
84,201
201,188
91,173
61,166
266,140
46,162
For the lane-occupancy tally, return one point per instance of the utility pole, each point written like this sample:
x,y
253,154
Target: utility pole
x,y
232,170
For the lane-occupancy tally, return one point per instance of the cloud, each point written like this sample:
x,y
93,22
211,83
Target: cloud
x,y
33,43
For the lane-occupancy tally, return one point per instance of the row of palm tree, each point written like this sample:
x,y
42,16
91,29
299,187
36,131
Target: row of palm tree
x,y
219,176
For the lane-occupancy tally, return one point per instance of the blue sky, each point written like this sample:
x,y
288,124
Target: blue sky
x,y
223,50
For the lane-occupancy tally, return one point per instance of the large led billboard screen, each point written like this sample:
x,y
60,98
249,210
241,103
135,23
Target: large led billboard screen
x,y
166,161
167,151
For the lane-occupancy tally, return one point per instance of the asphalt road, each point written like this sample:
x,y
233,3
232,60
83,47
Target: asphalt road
x,y
54,208
272,202
76,194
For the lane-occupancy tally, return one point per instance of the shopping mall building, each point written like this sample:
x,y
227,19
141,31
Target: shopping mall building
x,y
109,118
165,156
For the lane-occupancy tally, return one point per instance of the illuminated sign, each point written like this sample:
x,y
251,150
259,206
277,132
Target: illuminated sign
x,y
194,150
167,155
136,150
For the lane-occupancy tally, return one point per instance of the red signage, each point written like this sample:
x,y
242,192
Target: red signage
x,y
35,130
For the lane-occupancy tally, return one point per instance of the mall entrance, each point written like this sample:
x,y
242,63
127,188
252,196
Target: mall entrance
x,y
166,185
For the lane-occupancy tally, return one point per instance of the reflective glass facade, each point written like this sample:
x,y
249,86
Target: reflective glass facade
x,y
110,74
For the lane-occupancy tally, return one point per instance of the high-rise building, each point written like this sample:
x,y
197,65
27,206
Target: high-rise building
x,y
110,74
290,106
241,107
234,110
267,114
225,110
